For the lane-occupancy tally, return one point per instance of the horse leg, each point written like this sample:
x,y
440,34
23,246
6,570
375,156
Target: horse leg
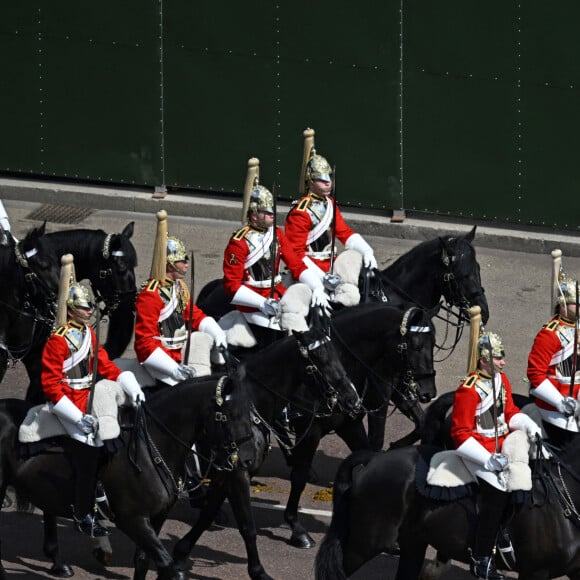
x,y
239,496
303,456
51,548
32,362
377,423
411,561
145,533
214,498
3,362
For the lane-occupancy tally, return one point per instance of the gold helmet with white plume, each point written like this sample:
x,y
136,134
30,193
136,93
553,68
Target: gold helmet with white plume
x,y
66,281
159,261
256,197
474,335
493,340
314,166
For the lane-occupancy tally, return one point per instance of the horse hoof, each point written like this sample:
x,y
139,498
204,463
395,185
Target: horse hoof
x,y
62,571
104,557
303,541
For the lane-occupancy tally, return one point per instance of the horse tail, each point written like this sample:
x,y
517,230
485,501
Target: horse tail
x,y
434,431
329,560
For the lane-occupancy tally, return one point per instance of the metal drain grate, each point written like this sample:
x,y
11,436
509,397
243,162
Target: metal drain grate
x,y
61,214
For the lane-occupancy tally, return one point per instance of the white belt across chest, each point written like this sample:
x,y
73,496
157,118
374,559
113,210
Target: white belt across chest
x,y
79,384
324,255
263,283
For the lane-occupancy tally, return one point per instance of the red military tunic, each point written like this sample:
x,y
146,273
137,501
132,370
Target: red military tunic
x,y
309,228
249,244
469,411
56,351
551,357
149,306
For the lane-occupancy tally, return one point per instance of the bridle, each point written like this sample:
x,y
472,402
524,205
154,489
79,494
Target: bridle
x,y
453,284
30,276
407,387
222,418
330,397
105,273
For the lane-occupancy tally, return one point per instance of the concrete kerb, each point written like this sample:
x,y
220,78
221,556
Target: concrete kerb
x,y
215,207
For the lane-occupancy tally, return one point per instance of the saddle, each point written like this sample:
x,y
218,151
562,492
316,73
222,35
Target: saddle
x,y
444,476
40,423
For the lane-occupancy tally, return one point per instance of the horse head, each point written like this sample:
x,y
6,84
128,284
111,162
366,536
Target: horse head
x,y
322,361
39,265
461,280
416,344
116,264
231,431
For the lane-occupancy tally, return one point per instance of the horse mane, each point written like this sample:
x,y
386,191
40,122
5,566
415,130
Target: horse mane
x,y
90,243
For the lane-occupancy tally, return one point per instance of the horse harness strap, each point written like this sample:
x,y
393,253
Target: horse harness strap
x,y
560,489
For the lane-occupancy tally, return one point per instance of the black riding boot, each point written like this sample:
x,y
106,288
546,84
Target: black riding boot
x,y
85,461
493,502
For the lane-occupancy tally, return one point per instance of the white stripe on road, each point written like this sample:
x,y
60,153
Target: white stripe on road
x,y
277,506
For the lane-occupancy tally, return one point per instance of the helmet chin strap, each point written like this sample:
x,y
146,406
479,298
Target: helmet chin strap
x,y
177,269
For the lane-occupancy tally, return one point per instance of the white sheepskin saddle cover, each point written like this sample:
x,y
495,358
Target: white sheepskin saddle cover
x,y
41,423
347,266
295,305
238,331
448,470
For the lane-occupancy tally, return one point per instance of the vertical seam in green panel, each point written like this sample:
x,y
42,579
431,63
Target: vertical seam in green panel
x,y
161,93
402,180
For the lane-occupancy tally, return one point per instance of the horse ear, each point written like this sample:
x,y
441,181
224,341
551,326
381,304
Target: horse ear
x,y
469,237
41,229
128,231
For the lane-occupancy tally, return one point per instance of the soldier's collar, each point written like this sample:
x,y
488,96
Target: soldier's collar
x,y
257,229
483,375
76,325
569,321
167,282
317,197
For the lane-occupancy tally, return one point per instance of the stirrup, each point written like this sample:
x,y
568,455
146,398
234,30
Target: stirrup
x,y
484,569
89,526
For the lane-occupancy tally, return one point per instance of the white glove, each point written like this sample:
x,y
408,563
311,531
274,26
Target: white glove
x,y
182,373
319,298
497,462
357,243
131,387
211,327
88,424
523,422
271,307
568,406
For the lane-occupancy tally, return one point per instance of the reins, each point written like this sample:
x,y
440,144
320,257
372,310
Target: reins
x,y
544,474
172,485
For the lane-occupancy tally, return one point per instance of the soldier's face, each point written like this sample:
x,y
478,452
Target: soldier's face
x,y
262,219
320,186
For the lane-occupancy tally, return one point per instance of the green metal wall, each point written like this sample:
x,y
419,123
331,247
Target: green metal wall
x,y
453,106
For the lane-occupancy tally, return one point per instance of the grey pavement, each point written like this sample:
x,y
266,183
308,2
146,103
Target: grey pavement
x,y
416,227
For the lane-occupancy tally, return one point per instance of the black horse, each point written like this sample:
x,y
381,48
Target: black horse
x,y
393,347
443,267
376,504
370,338
30,271
310,374
443,270
146,476
108,261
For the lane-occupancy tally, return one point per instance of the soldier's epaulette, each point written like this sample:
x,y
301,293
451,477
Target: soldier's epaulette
x,y
552,325
152,285
61,330
241,233
303,204
469,381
